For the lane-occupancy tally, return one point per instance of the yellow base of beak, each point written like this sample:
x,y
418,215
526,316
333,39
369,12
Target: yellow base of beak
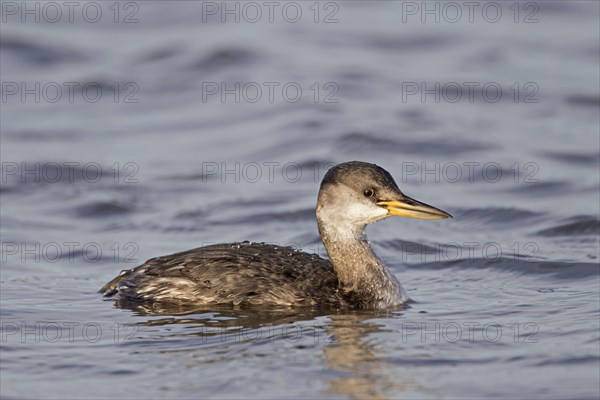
x,y
407,207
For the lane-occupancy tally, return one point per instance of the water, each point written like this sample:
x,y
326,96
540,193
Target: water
x,y
506,294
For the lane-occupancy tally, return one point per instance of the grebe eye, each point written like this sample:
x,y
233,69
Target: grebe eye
x,y
368,192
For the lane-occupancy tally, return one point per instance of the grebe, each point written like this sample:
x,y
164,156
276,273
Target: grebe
x,y
352,195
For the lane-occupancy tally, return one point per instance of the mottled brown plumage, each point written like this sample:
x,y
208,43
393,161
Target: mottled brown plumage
x,y
352,195
237,274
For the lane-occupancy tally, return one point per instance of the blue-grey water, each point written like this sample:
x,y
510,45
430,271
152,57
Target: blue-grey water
x,y
136,129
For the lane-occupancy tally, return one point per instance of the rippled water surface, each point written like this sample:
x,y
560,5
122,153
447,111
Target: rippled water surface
x,y
506,295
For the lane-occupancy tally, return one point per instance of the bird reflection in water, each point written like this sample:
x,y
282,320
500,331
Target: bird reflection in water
x,y
366,372
359,368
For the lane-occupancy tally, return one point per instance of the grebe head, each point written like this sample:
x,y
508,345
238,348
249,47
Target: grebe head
x,y
355,194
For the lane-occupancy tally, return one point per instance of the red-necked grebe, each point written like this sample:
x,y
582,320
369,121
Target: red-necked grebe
x,y
352,195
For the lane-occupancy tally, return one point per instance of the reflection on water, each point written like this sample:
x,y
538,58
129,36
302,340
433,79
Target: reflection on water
x,y
365,371
358,368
